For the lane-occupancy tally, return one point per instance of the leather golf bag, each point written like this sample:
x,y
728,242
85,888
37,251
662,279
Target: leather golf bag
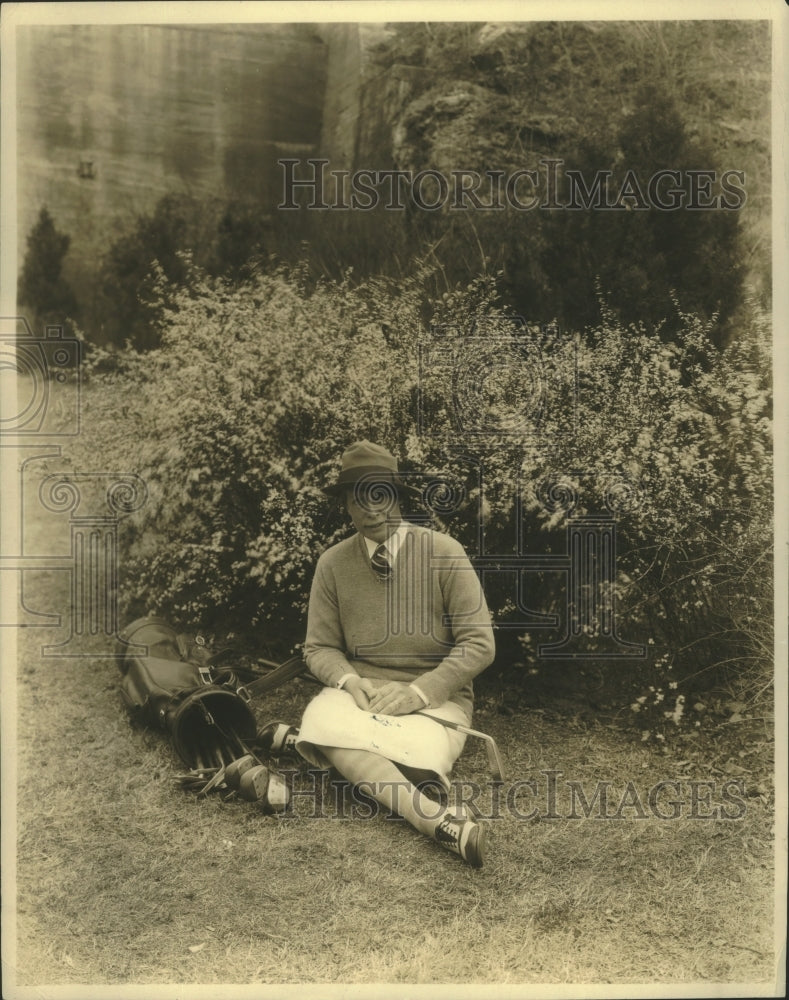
x,y
170,683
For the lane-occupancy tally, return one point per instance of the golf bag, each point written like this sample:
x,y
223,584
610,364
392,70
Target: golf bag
x,y
171,683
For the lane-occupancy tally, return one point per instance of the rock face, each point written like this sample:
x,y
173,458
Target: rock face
x,y
365,96
112,117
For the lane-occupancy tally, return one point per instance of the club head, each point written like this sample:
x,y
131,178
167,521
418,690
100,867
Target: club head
x,y
237,768
217,780
277,794
494,759
254,783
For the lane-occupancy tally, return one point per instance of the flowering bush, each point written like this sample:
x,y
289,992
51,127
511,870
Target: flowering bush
x,y
239,418
676,439
672,440
235,423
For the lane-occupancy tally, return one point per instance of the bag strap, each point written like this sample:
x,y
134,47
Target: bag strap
x,y
195,651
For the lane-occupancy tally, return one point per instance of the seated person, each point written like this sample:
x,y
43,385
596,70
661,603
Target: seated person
x,y
397,629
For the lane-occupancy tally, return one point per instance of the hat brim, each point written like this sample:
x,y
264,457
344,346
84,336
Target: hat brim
x,y
348,478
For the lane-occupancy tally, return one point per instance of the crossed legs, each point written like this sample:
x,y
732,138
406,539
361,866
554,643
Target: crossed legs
x,y
388,785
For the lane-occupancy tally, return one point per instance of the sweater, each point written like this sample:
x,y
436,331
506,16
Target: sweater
x,y
429,621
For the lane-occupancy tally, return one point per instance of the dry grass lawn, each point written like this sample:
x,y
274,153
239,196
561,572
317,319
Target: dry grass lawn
x,y
124,878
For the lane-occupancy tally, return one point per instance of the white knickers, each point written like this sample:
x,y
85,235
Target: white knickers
x,y
333,719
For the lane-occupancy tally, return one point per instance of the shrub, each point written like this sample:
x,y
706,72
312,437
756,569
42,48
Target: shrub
x,y
128,308
671,438
685,428
239,418
243,411
218,236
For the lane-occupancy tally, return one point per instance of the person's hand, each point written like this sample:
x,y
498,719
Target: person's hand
x,y
395,698
360,689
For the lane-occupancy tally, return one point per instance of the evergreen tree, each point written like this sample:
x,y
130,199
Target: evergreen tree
x,y
42,290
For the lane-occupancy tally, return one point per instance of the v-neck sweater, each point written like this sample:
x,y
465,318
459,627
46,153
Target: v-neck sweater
x,y
429,621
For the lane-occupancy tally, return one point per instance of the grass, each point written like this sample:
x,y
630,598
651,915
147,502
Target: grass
x,y
124,878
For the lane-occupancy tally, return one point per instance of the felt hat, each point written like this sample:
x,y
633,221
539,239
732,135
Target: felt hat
x,y
368,462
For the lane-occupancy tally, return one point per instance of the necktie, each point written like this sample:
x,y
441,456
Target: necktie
x,y
380,562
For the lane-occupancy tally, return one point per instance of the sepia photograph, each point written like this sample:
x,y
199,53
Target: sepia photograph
x,y
393,578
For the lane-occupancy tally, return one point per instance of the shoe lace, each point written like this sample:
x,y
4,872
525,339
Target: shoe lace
x,y
448,832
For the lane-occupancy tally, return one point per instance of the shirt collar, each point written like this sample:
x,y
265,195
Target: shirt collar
x,y
392,543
